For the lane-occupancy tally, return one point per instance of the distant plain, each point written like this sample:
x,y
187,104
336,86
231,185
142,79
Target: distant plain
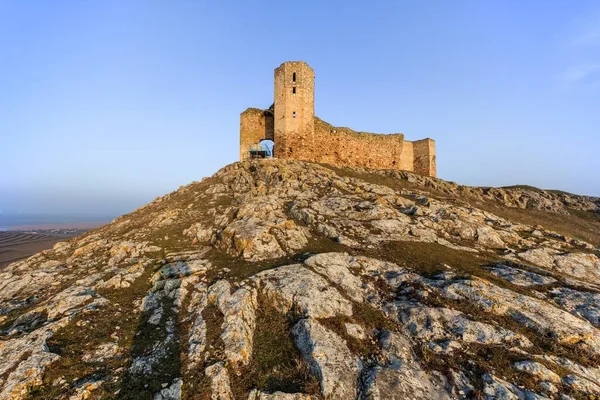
x,y
21,237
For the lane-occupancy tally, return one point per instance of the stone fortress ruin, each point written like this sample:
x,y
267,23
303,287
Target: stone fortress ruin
x,y
298,134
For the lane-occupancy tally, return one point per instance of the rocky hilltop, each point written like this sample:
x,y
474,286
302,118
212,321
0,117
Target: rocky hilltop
x,y
288,280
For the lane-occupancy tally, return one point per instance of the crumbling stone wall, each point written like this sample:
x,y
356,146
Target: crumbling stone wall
x,y
424,157
343,146
299,135
255,125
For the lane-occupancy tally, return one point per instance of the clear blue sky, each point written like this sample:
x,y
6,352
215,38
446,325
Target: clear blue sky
x,y
105,105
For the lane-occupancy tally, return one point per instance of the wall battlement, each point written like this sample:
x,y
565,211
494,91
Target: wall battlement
x,y
298,134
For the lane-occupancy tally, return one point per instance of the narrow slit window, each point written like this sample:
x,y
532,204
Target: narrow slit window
x,y
294,90
294,114
294,77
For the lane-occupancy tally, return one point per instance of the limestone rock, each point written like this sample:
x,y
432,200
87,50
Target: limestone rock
x,y
542,257
172,392
381,279
533,313
400,376
220,384
294,286
442,324
329,358
356,331
24,359
538,370
579,265
257,395
521,277
583,304
489,238
334,266
199,232
239,324
197,332
495,388
582,384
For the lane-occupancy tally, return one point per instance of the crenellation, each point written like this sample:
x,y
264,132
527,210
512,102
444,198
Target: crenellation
x,y
299,134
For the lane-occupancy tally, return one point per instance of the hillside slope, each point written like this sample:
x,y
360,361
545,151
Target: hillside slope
x,y
280,279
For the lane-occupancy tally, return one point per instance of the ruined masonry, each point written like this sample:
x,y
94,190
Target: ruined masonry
x,y
298,134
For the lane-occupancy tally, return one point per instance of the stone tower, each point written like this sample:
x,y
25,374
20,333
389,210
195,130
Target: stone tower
x,y
294,116
299,135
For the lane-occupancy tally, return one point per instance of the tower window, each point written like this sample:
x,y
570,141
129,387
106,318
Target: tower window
x,y
294,90
294,114
294,77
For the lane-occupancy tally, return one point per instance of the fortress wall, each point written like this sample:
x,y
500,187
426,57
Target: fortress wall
x,y
299,135
340,146
255,125
407,158
424,156
343,146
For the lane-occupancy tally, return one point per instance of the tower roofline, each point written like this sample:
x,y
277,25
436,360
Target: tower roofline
x,y
294,62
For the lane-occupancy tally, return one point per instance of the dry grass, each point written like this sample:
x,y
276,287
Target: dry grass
x,y
226,266
276,363
574,225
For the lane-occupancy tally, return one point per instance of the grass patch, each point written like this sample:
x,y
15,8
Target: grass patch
x,y
375,178
431,259
214,320
570,225
586,215
149,342
276,364
372,320
226,266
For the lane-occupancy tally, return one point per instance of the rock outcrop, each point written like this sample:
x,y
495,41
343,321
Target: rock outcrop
x,y
279,279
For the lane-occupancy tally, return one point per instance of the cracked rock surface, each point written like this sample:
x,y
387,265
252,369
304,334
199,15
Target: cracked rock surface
x,y
287,280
